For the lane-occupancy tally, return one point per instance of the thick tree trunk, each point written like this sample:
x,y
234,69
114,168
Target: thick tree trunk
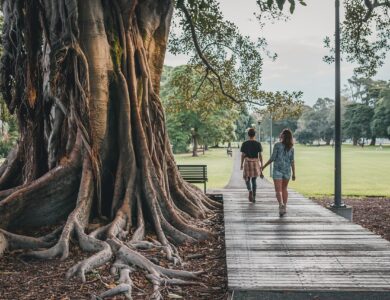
x,y
355,141
83,78
373,141
194,144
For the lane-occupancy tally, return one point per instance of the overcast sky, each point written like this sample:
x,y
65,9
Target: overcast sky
x,y
299,45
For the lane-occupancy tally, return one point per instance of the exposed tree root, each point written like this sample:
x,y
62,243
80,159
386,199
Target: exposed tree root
x,y
45,200
15,241
10,170
3,243
124,285
90,244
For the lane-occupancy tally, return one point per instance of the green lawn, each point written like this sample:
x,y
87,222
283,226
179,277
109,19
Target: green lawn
x,y
365,171
219,165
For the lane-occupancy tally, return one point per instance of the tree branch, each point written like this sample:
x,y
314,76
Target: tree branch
x,y
201,84
202,56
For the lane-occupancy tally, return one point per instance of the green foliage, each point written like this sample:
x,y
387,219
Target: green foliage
x,y
281,3
357,121
244,121
226,59
8,123
278,125
366,90
374,94
308,127
316,123
179,131
380,125
9,136
6,146
365,34
189,107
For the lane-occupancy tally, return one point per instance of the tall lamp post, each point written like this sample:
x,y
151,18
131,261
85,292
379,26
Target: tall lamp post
x,y
270,145
337,174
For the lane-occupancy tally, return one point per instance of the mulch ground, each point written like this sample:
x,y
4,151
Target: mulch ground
x,y
35,279
372,213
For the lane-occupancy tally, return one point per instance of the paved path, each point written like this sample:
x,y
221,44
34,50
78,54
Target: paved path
x,y
311,253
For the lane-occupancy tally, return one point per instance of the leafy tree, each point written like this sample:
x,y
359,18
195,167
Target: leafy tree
x,y
309,127
368,92
282,117
380,125
324,111
365,34
357,120
278,125
198,115
316,123
244,121
93,139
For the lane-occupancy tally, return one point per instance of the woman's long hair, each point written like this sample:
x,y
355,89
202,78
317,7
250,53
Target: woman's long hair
x,y
287,139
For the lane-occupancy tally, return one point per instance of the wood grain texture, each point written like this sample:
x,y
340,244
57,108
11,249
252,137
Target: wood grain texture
x,y
309,249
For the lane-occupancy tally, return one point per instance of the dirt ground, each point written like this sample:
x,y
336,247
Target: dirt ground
x,y
372,213
20,279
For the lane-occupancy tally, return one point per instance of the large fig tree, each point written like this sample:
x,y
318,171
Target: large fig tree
x,y
83,77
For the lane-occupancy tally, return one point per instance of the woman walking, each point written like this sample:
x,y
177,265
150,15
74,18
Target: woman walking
x,y
283,158
251,162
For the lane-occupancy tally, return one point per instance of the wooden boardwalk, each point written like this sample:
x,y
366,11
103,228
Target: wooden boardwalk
x,y
309,249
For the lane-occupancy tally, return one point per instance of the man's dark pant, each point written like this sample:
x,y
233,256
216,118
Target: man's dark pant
x,y
251,187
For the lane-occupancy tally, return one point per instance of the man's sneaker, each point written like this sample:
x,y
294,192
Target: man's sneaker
x,y
282,210
250,196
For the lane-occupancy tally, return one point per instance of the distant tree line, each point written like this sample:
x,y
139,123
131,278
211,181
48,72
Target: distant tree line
x,y
365,112
198,113
203,116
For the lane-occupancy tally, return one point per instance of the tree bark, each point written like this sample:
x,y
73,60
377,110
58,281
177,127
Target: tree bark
x,y
194,143
83,78
373,141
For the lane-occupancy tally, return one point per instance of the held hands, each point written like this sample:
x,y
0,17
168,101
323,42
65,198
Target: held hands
x,y
241,168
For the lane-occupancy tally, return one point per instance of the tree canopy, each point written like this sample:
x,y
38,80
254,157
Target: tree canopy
x,y
223,57
365,34
189,107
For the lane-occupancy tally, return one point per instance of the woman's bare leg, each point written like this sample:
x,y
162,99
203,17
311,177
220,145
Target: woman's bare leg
x,y
284,191
278,190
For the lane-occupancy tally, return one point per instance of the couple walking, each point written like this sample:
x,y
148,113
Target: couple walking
x,y
283,159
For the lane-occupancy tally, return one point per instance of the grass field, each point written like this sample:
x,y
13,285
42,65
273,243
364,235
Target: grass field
x,y
219,165
365,171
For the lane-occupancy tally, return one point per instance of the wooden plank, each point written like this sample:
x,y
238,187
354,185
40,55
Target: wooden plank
x,y
309,249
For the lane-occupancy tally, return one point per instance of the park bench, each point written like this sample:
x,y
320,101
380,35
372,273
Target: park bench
x,y
194,173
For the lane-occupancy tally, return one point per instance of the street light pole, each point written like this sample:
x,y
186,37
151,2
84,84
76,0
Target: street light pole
x,y
270,145
337,142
